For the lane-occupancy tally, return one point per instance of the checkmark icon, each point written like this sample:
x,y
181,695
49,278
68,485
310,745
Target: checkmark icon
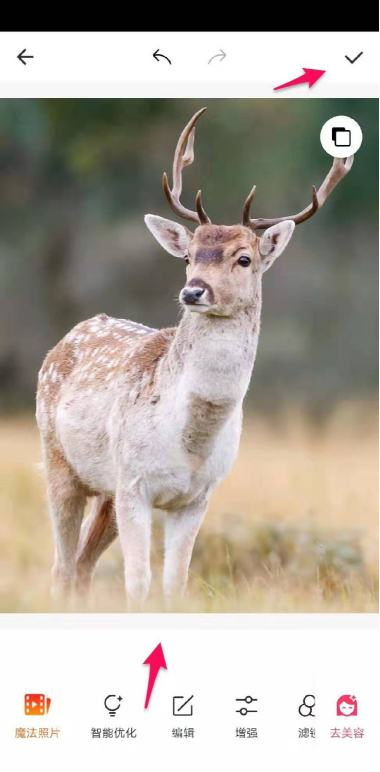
x,y
182,706
352,61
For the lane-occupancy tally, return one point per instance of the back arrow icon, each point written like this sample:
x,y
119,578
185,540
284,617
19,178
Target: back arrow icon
x,y
221,55
159,56
23,55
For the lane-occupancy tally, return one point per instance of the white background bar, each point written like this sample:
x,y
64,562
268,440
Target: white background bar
x,y
278,668
255,61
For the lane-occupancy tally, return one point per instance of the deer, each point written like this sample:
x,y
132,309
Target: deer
x,y
140,418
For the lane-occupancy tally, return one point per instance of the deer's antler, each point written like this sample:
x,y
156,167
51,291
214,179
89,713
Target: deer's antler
x,y
339,169
184,156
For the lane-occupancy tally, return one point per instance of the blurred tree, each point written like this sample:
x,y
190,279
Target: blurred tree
x,y
77,176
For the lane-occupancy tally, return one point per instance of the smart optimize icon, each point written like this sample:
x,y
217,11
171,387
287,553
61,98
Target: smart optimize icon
x,y
307,706
112,704
248,701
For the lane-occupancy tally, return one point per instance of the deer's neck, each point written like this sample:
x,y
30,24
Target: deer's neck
x,y
211,361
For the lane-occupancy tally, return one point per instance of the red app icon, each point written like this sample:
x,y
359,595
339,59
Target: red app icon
x,y
36,704
347,705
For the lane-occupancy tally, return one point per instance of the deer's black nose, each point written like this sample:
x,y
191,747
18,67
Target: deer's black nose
x,y
191,295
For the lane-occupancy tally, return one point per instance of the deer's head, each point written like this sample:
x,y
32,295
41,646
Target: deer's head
x,y
225,262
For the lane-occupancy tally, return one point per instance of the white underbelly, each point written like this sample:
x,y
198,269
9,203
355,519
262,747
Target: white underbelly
x,y
103,447
81,425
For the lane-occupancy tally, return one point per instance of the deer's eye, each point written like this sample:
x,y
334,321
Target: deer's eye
x,y
244,260
187,261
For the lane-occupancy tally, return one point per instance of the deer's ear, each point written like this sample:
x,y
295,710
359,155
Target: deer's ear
x,y
273,242
173,237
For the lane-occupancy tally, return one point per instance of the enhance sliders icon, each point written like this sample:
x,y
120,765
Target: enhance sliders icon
x,y
248,701
36,704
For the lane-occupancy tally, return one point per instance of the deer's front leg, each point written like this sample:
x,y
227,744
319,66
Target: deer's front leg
x,y
134,521
181,530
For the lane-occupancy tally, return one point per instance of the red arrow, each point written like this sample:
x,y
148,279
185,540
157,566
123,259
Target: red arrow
x,y
156,660
309,76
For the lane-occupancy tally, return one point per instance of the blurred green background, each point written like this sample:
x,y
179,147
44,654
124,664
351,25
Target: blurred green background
x,y
76,178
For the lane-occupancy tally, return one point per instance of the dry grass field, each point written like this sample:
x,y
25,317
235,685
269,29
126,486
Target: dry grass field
x,y
293,529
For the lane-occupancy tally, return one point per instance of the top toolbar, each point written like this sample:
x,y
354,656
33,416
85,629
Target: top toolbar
x,y
298,64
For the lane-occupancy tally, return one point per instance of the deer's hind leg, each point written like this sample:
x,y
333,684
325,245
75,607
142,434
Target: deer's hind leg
x,y
97,533
67,498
